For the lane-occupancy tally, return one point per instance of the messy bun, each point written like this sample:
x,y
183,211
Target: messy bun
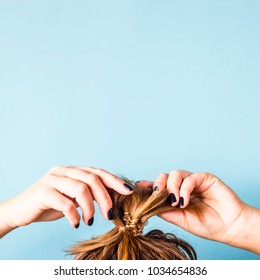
x,y
126,240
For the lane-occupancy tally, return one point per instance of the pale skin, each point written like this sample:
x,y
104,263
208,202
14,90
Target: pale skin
x,y
226,218
59,193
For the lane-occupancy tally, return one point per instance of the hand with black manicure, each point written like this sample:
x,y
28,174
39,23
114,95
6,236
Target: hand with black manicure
x,y
58,193
224,216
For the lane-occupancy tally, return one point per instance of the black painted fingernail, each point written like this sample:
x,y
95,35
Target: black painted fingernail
x,y
110,214
137,182
181,202
129,187
172,198
155,188
91,221
77,226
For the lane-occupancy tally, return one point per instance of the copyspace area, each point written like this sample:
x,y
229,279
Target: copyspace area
x,y
134,87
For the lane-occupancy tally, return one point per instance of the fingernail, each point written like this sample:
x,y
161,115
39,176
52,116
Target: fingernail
x,y
155,188
77,226
91,221
172,198
181,202
129,187
110,214
137,182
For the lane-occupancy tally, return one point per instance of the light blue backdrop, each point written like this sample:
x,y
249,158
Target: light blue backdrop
x,y
135,87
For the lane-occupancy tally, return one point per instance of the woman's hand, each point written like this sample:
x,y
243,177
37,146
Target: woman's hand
x,y
58,193
222,216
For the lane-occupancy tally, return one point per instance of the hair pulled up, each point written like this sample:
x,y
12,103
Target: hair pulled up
x,y
126,240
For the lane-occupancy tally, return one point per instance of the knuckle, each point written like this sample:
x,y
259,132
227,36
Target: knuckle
x,y
101,170
69,206
163,175
176,172
93,178
210,178
47,179
55,168
82,188
188,180
162,178
206,175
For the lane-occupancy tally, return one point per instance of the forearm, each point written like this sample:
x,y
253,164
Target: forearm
x,y
5,225
246,232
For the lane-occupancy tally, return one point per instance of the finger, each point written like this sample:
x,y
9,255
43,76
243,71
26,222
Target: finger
x,y
145,184
57,201
78,190
97,190
110,180
190,184
160,183
174,182
175,216
101,196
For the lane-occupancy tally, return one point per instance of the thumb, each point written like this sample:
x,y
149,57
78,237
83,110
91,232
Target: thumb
x,y
174,216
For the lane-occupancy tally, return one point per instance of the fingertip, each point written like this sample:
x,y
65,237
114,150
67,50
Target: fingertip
x,y
91,221
87,218
172,199
75,222
184,199
77,226
110,214
181,202
128,187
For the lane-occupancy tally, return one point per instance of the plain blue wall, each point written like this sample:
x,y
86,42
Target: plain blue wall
x,y
135,87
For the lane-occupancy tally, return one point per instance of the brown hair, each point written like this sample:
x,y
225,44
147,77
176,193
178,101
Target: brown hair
x,y
126,241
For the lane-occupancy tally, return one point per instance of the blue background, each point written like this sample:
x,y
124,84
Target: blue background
x,y
135,87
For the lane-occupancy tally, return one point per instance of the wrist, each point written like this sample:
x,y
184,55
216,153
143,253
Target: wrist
x,y
245,231
6,225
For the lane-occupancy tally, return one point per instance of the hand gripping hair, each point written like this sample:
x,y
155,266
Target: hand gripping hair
x,y
126,240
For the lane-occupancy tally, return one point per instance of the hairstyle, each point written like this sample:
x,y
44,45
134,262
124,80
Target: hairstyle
x,y
126,240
